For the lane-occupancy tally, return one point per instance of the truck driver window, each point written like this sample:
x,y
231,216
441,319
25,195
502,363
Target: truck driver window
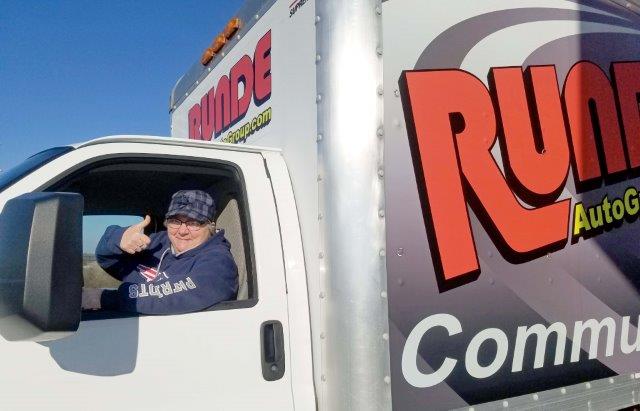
x,y
122,193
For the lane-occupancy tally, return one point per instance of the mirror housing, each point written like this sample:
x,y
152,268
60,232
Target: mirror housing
x,y
41,266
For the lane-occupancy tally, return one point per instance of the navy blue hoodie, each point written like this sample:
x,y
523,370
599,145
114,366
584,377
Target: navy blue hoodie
x,y
155,281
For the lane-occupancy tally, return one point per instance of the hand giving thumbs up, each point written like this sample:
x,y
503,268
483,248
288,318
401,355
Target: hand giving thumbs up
x,y
134,240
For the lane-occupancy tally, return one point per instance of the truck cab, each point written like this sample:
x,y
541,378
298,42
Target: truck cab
x,y
243,354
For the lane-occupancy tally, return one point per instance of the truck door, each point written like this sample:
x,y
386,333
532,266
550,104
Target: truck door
x,y
231,356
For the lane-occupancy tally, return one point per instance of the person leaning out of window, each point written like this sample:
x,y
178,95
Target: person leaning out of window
x,y
187,268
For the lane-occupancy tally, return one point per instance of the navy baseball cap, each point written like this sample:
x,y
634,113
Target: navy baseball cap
x,y
195,204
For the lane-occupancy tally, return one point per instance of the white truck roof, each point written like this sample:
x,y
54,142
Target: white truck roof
x,y
174,142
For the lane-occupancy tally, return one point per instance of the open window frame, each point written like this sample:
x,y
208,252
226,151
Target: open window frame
x,y
143,184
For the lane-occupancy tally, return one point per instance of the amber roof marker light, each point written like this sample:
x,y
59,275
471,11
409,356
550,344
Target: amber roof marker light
x,y
221,39
232,26
206,56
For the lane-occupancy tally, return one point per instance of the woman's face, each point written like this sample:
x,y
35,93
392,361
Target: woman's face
x,y
186,233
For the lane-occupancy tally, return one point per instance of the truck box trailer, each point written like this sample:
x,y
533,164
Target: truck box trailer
x,y
432,205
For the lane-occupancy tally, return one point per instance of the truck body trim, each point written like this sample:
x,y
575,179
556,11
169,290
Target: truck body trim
x,y
354,314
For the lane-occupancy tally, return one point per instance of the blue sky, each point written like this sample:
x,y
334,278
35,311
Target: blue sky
x,y
71,71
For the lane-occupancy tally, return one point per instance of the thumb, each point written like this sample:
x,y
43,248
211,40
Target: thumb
x,y
142,224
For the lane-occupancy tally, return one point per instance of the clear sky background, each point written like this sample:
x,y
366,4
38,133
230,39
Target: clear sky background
x,y
71,71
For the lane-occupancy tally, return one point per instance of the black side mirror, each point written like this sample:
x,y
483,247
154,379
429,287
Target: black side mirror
x,y
41,266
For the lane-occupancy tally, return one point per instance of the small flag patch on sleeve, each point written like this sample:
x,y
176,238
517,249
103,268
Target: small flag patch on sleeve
x,y
148,273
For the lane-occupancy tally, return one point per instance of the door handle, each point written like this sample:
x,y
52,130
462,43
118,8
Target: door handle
x,y
272,342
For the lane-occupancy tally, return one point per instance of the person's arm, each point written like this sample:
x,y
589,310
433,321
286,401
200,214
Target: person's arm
x,y
213,279
110,256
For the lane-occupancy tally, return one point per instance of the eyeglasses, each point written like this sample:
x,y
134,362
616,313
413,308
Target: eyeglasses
x,y
175,224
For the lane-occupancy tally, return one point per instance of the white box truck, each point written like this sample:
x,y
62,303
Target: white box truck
x,y
432,205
